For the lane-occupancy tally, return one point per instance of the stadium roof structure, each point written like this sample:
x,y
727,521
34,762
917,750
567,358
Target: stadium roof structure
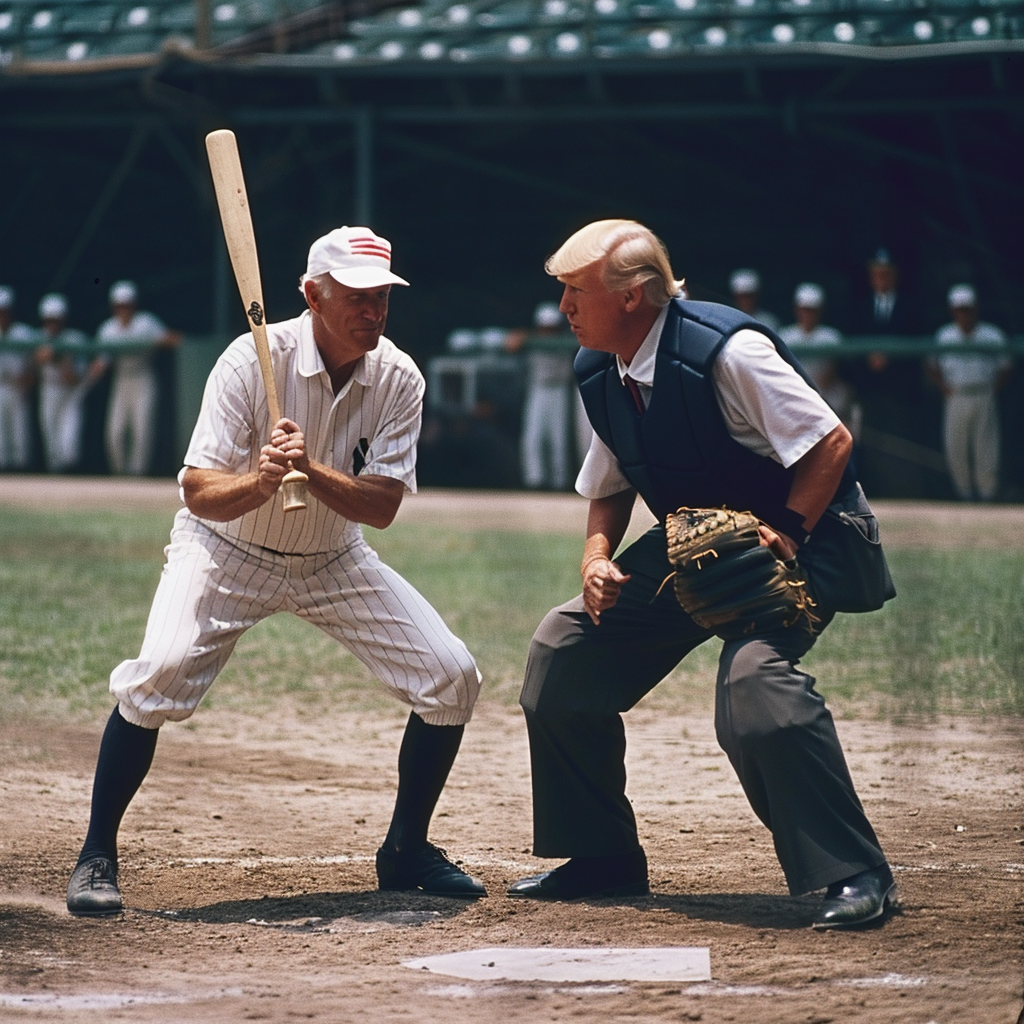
x,y
41,37
834,125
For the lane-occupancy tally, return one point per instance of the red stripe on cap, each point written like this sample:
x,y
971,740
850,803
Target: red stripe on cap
x,y
370,247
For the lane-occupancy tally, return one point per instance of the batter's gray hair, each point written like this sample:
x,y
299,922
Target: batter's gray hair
x,y
323,281
633,255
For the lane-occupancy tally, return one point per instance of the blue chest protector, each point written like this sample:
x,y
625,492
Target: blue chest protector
x,y
679,452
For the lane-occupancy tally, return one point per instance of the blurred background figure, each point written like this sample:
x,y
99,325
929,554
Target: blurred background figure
x,y
892,386
63,381
808,309
746,296
16,379
889,311
133,394
545,450
969,382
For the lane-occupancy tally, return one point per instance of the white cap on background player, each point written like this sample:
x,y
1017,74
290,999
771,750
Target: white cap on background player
x,y
123,293
354,257
744,282
961,295
547,314
53,307
6,296
810,296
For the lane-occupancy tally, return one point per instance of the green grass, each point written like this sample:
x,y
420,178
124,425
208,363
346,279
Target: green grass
x,y
75,591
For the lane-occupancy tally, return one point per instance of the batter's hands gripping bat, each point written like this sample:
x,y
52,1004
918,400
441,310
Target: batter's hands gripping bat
x,y
229,185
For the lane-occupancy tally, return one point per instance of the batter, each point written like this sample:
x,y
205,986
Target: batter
x,y
236,557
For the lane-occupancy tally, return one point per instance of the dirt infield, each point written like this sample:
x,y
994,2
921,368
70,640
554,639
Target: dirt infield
x,y
247,860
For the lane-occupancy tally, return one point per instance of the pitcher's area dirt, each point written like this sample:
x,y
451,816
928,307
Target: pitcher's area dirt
x,y
247,870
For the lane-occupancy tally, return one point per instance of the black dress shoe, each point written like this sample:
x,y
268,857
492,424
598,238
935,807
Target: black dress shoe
x,y
621,875
92,890
857,899
427,869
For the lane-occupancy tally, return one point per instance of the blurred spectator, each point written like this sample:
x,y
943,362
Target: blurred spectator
x,y
889,311
808,307
891,386
16,379
969,382
746,294
64,377
133,395
545,439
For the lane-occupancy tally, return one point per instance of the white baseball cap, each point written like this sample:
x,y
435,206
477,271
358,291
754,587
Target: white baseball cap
x,y
743,282
961,295
6,296
547,314
810,296
354,257
53,307
123,293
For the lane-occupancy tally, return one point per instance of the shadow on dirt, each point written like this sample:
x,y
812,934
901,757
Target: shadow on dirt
x,y
317,911
754,910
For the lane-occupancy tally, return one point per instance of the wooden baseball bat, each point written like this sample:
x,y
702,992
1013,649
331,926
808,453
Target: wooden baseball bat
x,y
229,184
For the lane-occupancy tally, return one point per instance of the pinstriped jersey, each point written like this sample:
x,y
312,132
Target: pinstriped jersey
x,y
371,427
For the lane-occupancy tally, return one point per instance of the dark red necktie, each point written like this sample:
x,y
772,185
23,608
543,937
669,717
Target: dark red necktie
x,y
634,390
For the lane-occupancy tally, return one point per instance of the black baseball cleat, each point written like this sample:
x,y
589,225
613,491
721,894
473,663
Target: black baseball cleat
x,y
858,899
620,875
92,890
427,869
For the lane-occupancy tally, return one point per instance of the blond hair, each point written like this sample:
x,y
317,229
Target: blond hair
x,y
633,255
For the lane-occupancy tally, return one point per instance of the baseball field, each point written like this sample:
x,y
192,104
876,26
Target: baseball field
x,y
247,857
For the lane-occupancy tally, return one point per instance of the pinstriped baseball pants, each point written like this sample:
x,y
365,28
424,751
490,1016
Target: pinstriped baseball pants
x,y
212,591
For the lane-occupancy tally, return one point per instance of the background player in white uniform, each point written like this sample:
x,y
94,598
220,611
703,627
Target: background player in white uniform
x,y
969,382
63,380
16,379
133,395
808,303
236,557
745,286
544,441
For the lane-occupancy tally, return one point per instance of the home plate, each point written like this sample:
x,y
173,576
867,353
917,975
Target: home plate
x,y
645,963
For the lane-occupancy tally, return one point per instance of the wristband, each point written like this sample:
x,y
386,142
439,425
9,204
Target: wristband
x,y
792,525
592,558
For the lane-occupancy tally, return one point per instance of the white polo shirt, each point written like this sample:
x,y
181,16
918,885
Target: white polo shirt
x,y
378,409
768,407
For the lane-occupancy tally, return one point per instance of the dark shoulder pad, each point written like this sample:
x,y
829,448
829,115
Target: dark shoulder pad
x,y
588,362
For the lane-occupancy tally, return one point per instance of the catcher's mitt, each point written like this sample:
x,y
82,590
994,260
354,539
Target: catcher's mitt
x,y
726,581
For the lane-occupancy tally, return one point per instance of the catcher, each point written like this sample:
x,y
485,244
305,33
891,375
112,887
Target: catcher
x,y
704,413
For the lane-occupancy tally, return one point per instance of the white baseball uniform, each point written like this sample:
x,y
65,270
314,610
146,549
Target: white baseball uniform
x,y
222,578
834,389
133,393
971,416
544,441
60,403
15,425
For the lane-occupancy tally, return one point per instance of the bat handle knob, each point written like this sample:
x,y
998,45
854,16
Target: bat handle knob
x,y
293,490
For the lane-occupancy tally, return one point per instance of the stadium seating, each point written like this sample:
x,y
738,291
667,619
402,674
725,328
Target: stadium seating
x,y
514,30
